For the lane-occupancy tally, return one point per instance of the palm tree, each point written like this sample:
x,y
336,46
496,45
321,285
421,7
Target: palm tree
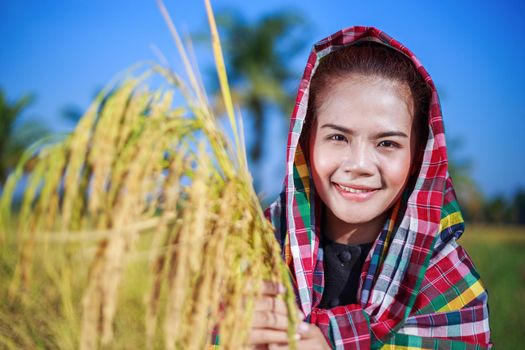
x,y
258,60
15,137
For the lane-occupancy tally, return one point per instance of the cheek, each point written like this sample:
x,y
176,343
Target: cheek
x,y
324,163
397,172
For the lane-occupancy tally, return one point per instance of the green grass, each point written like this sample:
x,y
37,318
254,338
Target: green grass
x,y
499,255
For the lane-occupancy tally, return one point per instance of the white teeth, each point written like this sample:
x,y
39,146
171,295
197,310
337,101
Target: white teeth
x,y
353,190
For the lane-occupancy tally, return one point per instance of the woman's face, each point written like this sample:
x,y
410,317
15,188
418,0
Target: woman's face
x,y
361,148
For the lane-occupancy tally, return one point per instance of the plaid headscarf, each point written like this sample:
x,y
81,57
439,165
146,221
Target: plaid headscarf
x,y
418,288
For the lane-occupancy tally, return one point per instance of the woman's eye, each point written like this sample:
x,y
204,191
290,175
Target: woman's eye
x,y
388,144
337,137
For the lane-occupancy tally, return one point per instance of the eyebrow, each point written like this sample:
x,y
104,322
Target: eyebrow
x,y
377,136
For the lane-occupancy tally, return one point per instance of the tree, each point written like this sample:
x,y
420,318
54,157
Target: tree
x,y
15,136
497,210
258,60
469,196
518,207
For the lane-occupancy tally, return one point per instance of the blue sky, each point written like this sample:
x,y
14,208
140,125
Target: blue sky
x,y
62,51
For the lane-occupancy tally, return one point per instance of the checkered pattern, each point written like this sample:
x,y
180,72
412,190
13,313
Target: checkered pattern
x,y
418,288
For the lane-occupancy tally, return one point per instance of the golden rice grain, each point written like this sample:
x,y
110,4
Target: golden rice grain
x,y
143,199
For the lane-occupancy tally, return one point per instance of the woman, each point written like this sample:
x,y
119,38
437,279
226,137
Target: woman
x,y
368,219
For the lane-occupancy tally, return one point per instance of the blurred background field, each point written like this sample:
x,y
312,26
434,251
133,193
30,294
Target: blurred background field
x,y
498,253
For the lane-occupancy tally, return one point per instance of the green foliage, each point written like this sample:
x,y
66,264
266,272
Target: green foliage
x,y
500,209
518,207
470,196
15,136
497,210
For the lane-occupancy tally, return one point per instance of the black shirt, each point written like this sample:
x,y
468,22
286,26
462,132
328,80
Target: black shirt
x,y
342,268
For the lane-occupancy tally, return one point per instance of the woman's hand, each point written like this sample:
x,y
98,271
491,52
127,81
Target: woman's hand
x,y
270,324
270,319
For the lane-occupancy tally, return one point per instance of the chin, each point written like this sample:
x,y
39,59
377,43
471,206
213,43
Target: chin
x,y
358,216
353,217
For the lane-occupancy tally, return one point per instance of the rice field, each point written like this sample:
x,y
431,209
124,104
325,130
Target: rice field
x,y
499,255
141,229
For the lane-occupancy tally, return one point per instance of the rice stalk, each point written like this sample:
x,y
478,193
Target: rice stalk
x,y
141,229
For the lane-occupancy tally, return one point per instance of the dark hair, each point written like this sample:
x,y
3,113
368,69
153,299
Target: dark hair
x,y
370,59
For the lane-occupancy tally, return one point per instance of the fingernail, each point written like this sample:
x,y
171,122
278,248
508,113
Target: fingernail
x,y
297,336
303,327
281,289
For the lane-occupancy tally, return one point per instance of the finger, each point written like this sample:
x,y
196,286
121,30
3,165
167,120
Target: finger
x,y
307,330
267,336
299,345
272,304
271,320
258,347
312,344
270,288
279,347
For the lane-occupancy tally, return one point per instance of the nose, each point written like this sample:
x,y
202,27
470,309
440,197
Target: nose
x,y
359,160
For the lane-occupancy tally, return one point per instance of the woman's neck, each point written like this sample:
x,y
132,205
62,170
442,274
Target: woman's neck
x,y
352,233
